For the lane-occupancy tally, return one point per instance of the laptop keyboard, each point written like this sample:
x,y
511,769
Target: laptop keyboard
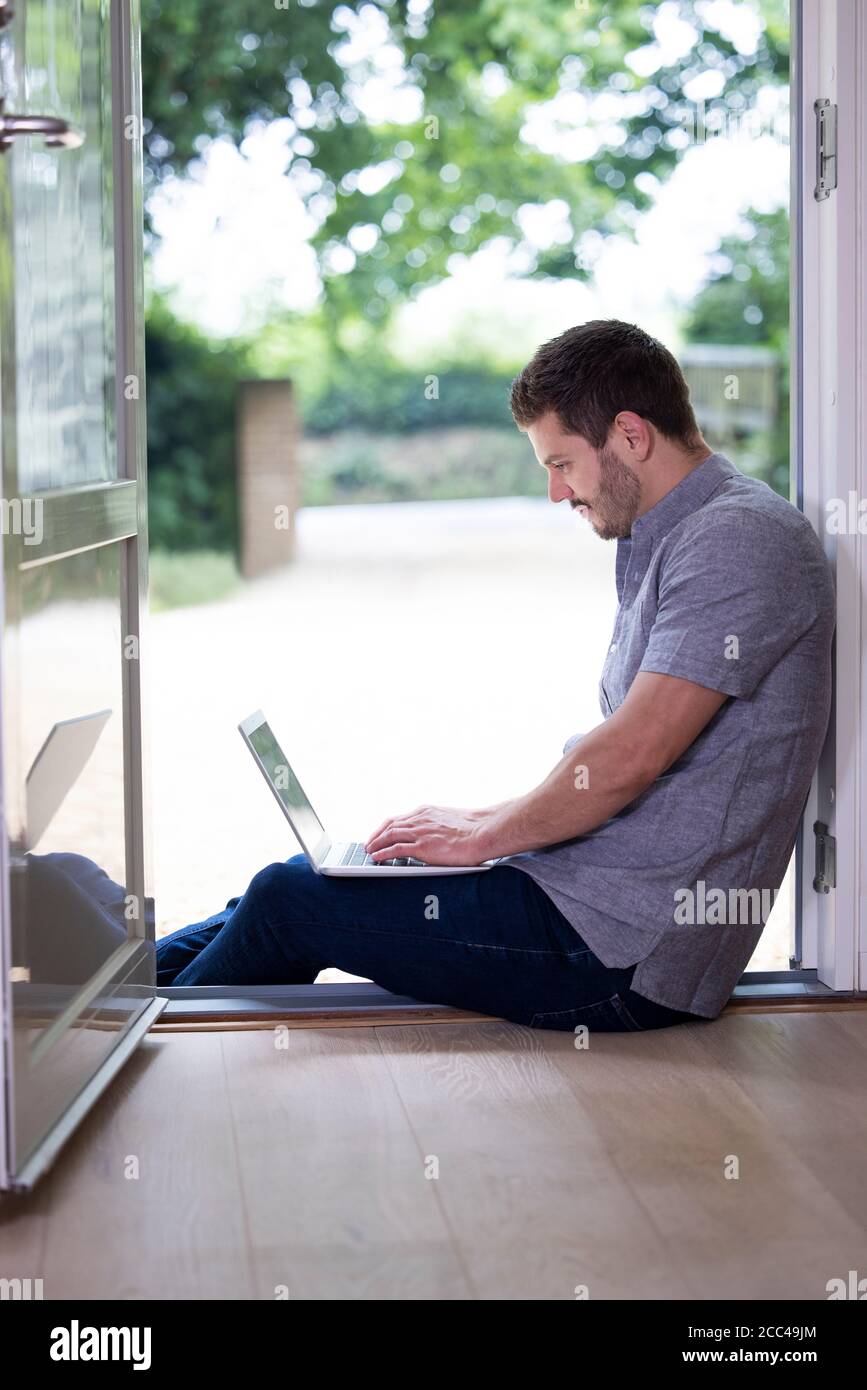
x,y
354,855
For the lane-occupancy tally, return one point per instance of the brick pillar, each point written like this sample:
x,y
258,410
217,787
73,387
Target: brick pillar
x,y
266,437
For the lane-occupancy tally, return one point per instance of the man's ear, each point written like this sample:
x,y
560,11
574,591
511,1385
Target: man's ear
x,y
634,433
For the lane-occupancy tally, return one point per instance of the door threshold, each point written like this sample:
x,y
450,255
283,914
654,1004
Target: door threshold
x,y
325,1005
335,1005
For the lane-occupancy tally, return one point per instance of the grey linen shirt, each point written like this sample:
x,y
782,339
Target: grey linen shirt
x,y
725,584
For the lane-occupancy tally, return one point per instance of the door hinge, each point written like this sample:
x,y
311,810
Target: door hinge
x,y
826,148
826,859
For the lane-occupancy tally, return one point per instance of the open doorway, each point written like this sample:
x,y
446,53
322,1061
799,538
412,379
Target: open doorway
x,y
391,209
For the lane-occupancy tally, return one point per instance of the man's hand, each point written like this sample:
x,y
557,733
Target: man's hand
x,y
435,834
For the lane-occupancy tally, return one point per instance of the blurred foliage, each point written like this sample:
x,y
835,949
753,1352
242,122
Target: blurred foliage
x,y
395,202
179,580
190,389
473,461
381,394
746,301
191,396
458,173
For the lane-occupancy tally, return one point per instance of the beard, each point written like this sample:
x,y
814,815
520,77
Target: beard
x,y
615,505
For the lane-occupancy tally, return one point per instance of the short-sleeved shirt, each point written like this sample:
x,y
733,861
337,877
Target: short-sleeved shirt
x,y
725,584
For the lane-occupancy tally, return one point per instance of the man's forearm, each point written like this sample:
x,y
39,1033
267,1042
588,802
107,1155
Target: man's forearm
x,y
594,780
606,770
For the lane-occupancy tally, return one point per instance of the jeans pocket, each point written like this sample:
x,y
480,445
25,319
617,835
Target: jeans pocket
x,y
607,1016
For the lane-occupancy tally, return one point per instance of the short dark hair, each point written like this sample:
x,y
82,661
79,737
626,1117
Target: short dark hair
x,y
590,373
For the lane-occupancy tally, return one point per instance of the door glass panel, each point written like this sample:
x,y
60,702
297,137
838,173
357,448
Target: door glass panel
x,y
80,973
72,760
64,279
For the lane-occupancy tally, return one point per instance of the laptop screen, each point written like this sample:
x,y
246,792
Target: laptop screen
x,y
305,821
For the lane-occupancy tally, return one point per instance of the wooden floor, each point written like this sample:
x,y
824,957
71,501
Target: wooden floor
x,y
303,1167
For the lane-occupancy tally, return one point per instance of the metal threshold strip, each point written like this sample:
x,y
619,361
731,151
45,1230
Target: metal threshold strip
x,y
319,1004
340,1004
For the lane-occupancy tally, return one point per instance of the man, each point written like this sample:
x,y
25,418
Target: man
x,y
637,877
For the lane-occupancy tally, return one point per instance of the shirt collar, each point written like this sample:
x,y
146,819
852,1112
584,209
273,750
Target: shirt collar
x,y
685,497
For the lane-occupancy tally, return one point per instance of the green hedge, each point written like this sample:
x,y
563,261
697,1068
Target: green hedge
x,y
376,396
190,391
191,394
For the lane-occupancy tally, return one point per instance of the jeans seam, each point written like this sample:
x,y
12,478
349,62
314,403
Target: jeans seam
x,y
181,933
615,1002
438,940
620,1008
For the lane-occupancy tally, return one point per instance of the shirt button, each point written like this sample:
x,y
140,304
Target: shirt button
x,y
613,647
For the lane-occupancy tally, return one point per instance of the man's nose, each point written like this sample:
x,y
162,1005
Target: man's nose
x,y
558,488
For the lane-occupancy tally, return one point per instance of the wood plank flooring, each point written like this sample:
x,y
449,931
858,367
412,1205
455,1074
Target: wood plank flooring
x,y
475,1161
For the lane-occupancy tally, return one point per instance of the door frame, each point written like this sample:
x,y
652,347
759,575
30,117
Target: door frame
x,y
829,376
80,519
829,455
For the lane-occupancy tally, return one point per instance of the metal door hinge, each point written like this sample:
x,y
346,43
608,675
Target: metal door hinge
x,y
826,859
826,148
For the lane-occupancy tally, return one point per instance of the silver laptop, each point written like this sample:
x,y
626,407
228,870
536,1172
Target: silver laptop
x,y
324,855
57,767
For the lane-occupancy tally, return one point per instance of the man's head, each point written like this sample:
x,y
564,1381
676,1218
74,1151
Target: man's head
x,y
607,411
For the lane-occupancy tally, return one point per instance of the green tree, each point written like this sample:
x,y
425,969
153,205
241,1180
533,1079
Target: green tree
x,y
458,173
746,301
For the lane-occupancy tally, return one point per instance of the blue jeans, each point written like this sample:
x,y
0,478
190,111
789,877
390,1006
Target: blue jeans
x,y
73,917
492,942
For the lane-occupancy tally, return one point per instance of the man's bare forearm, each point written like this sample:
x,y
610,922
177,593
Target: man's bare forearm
x,y
605,770
594,780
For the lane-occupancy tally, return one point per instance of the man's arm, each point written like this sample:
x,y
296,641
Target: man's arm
x,y
612,765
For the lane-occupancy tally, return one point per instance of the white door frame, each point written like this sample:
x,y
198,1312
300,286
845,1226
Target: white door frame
x,y
830,366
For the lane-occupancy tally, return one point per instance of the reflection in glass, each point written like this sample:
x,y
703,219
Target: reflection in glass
x,y
76,917
69,868
63,229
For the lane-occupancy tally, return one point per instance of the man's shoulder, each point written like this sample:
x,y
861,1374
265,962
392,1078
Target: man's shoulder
x,y
745,513
746,538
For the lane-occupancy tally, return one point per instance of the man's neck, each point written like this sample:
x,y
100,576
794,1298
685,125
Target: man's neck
x,y
670,471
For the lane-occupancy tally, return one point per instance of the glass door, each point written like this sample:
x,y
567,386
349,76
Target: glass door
x,y
76,945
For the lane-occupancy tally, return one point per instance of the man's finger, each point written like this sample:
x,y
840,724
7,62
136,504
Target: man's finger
x,y
380,829
399,828
405,818
383,837
401,849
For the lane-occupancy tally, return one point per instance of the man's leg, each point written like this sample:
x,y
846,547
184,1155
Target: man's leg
x,y
75,917
491,942
180,948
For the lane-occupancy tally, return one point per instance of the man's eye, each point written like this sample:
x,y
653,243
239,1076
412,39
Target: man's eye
x,y
561,465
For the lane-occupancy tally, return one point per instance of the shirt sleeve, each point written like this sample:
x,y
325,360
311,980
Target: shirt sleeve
x,y
734,596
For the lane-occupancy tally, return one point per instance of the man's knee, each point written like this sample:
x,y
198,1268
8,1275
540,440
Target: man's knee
x,y
279,879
